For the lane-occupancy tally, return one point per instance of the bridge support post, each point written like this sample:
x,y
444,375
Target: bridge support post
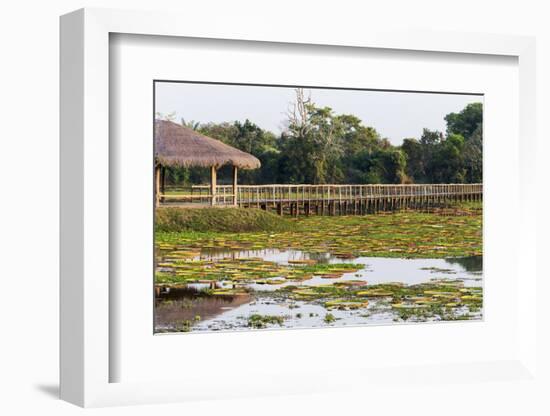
x,y
162,182
213,185
235,187
157,186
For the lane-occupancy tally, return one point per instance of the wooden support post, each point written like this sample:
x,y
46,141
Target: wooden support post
x,y
235,171
213,185
162,182
157,186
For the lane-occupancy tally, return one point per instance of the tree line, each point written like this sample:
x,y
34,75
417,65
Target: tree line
x,y
319,146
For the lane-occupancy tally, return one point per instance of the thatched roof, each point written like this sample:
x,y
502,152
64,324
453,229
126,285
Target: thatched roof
x,y
176,145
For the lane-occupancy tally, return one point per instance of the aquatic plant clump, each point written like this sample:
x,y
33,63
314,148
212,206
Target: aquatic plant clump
x,y
439,300
263,321
174,271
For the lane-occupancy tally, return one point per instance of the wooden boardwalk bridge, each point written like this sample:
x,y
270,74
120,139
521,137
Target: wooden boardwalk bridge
x,y
323,199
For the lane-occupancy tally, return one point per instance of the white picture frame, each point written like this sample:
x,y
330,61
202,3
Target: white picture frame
x,y
86,356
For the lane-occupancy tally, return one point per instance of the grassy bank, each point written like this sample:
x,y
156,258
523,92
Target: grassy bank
x,y
405,234
232,220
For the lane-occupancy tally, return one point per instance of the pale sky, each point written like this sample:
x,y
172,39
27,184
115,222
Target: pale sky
x,y
395,115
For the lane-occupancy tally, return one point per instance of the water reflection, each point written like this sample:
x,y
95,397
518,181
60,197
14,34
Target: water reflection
x,y
194,306
178,308
470,264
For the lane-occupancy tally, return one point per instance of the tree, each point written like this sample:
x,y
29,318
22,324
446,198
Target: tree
x,y
466,121
473,157
355,137
431,137
192,124
413,150
250,138
380,166
447,160
312,142
168,117
318,146
430,140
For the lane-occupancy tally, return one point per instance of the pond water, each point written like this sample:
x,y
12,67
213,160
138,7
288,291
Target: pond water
x,y
192,308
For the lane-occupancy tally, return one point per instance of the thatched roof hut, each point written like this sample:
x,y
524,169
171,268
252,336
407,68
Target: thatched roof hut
x,y
177,145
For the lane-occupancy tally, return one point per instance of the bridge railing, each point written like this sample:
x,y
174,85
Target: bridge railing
x,y
283,193
297,193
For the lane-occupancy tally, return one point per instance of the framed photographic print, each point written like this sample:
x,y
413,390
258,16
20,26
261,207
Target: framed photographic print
x,y
307,215
279,212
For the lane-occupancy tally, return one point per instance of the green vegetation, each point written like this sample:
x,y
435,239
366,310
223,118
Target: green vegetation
x,y
319,146
183,326
218,220
263,321
178,268
444,299
408,234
